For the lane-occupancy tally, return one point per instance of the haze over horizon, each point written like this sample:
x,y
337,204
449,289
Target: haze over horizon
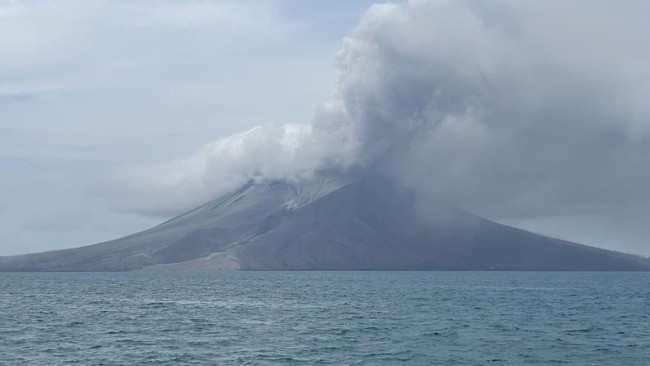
x,y
529,114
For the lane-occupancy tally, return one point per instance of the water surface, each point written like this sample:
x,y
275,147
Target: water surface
x,y
337,318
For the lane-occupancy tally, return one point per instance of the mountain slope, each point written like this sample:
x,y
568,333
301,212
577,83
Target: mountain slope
x,y
336,223
213,227
374,224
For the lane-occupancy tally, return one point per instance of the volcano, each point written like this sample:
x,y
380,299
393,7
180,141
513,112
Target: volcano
x,y
334,223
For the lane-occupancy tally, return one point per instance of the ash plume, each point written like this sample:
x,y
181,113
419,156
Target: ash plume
x,y
518,108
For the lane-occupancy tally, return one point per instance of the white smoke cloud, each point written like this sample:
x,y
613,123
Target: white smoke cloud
x,y
265,152
514,108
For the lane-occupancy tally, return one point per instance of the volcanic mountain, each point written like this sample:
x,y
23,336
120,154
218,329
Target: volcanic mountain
x,y
335,223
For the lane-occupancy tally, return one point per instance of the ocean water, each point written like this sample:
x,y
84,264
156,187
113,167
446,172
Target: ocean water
x,y
320,318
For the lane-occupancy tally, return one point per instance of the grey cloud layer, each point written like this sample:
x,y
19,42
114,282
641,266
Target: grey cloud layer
x,y
535,108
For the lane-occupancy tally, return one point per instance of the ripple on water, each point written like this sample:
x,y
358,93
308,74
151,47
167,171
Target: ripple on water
x,y
337,318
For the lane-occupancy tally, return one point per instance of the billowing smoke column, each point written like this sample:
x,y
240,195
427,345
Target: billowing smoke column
x,y
515,104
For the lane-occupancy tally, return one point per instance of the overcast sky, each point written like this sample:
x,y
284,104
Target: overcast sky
x,y
116,115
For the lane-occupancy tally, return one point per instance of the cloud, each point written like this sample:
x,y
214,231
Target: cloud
x,y
112,73
61,221
510,108
97,45
528,109
268,152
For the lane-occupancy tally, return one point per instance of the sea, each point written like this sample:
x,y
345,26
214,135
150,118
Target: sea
x,y
325,318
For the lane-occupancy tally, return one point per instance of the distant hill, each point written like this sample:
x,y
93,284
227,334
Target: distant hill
x,y
338,223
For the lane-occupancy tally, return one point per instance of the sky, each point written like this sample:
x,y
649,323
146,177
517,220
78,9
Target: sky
x,y
117,115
